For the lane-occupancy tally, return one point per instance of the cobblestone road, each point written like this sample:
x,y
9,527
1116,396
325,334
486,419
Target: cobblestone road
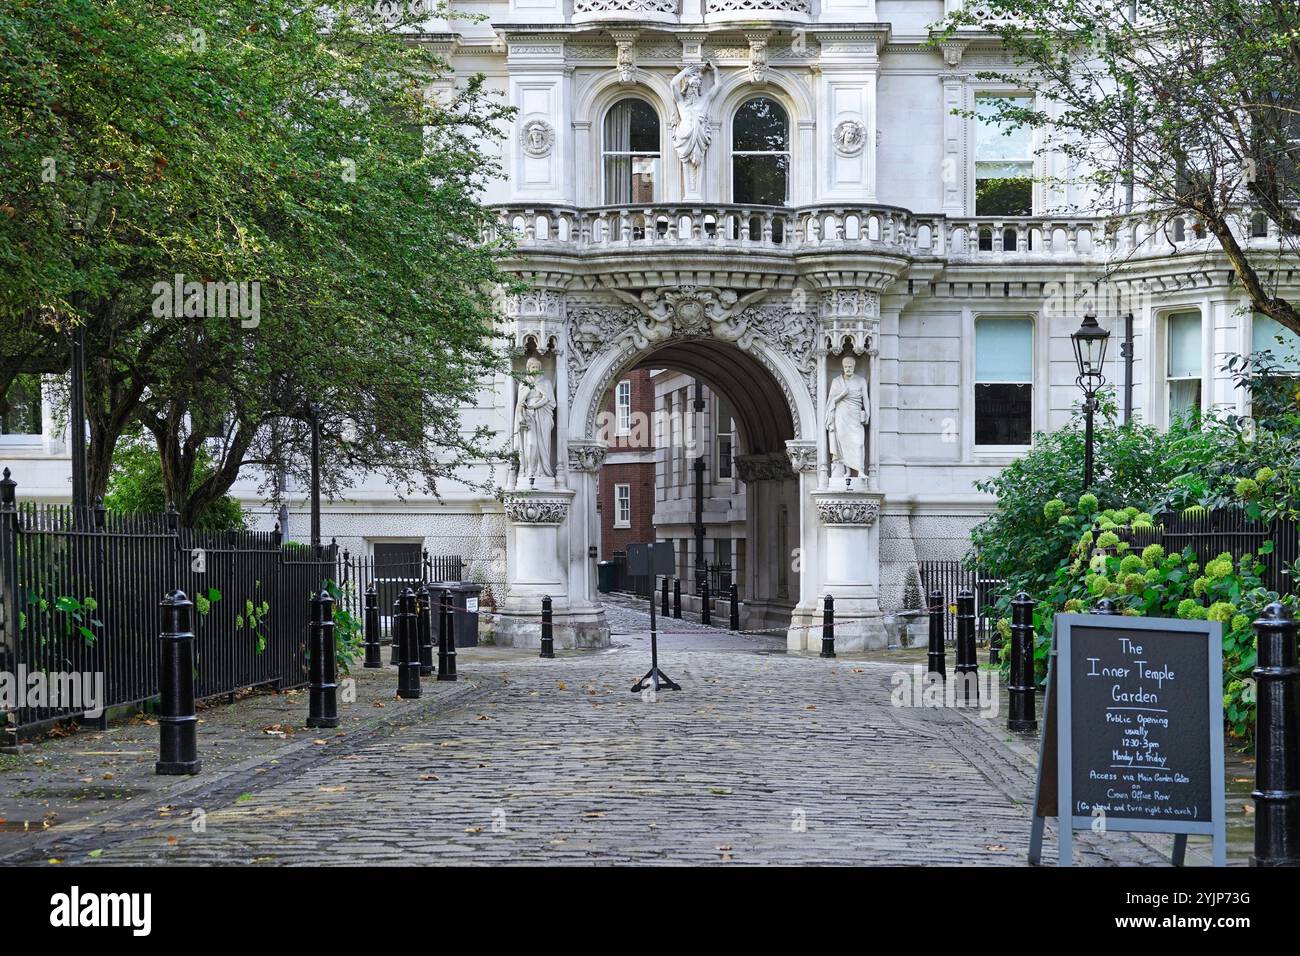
x,y
761,758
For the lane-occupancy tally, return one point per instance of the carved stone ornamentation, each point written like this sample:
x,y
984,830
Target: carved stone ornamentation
x,y
764,466
850,320
536,320
848,511
536,509
802,455
592,329
586,456
850,136
539,138
757,57
625,58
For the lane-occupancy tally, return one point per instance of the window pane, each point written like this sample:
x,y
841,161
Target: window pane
x,y
20,408
759,180
1184,397
632,126
995,140
1004,196
760,125
1004,414
1185,345
1004,350
1264,335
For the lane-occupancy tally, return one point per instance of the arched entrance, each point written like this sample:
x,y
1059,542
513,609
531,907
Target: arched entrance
x,y
741,512
773,363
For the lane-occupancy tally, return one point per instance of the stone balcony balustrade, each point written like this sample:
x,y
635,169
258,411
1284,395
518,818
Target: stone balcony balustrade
x,y
869,228
622,11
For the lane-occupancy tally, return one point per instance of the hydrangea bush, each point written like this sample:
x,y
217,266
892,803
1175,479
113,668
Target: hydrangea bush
x,y
1102,562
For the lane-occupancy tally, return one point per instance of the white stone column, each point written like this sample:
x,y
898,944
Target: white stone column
x,y
850,568
954,163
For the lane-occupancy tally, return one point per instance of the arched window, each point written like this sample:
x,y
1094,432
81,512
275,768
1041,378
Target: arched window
x,y
760,153
631,152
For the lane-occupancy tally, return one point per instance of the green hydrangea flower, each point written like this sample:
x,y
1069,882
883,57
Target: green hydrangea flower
x,y
1152,576
1098,564
1193,567
1122,547
1098,584
1106,524
1194,511
1074,606
1053,509
1246,488
1152,555
1220,611
1240,622
1199,586
1087,503
1130,512
1085,539
1220,567
1130,563
1107,539
1264,475
1064,519
1004,628
1189,610
1131,612
1135,583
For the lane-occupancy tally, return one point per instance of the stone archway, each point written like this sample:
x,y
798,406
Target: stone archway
x,y
733,338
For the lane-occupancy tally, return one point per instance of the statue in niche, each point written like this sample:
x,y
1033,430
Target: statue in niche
x,y
848,410
692,133
534,420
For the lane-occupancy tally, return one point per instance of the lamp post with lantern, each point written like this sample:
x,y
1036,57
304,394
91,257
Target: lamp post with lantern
x,y
1089,353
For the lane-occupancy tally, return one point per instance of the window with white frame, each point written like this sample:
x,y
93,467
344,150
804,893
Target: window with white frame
x,y
631,152
1004,158
1004,381
622,506
20,406
760,153
1183,364
1269,335
623,408
726,450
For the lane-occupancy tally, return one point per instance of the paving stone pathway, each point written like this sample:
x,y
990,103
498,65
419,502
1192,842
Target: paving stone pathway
x,y
762,758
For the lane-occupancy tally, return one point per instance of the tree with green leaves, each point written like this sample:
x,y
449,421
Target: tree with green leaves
x,y
261,214
1174,109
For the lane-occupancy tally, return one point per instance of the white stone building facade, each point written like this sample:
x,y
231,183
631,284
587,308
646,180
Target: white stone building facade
x,y
748,192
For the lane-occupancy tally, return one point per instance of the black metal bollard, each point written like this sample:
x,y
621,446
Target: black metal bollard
x,y
374,657
706,612
828,626
323,688
446,640
548,629
394,635
677,598
1020,710
967,664
178,725
1277,740
424,627
937,652
663,597
408,644
734,623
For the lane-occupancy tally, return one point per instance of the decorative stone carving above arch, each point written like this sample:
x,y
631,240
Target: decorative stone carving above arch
x,y
768,466
586,456
802,455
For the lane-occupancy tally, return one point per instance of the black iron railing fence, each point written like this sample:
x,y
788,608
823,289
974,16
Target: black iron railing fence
x,y
356,572
79,596
80,589
1210,533
950,578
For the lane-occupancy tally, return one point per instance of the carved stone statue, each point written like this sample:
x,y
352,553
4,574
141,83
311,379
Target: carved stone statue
x,y
693,131
848,410
534,419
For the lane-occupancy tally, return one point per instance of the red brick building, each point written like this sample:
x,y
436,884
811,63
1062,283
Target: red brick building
x,y
626,490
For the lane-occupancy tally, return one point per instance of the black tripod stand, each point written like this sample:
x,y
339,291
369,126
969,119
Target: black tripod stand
x,y
654,675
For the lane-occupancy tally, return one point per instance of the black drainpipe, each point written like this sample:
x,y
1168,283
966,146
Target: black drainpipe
x,y
1126,350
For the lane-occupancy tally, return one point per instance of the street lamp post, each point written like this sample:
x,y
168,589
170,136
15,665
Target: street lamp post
x,y
1089,353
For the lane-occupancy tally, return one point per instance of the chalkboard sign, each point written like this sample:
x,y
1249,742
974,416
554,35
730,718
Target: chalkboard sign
x,y
1133,730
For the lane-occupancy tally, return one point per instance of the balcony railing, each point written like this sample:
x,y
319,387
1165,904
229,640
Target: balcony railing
x,y
878,229
727,10
649,11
